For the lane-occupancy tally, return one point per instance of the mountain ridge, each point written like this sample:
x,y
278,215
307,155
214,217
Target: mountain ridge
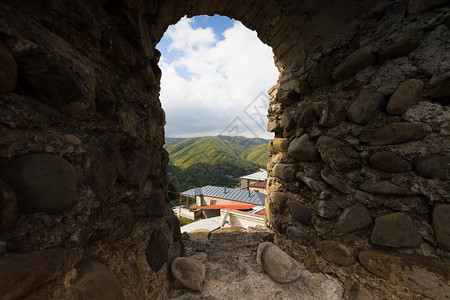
x,y
214,160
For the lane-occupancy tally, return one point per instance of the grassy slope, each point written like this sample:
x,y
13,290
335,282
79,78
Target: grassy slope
x,y
213,160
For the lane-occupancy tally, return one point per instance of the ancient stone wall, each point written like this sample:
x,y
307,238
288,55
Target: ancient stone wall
x,y
360,165
359,168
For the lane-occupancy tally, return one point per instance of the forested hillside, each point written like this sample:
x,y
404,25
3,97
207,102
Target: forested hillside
x,y
216,160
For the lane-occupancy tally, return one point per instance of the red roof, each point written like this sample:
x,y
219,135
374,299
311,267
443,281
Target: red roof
x,y
219,206
261,184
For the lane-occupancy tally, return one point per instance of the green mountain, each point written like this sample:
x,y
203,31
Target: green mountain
x,y
219,160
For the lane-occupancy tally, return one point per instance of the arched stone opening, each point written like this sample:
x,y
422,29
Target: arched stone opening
x,y
359,165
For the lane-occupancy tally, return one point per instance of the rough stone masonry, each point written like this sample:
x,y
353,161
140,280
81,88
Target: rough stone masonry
x,y
359,167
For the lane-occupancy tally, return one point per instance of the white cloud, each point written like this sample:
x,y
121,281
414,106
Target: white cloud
x,y
211,81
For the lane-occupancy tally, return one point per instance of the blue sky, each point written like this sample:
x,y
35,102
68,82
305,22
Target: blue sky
x,y
216,74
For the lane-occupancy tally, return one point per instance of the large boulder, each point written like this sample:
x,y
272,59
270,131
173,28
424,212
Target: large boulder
x,y
424,275
353,218
8,70
395,230
157,251
20,273
42,182
384,187
286,172
62,89
406,95
338,154
441,224
95,281
433,166
394,133
8,206
366,106
402,45
389,162
303,149
280,266
337,253
190,272
300,212
356,61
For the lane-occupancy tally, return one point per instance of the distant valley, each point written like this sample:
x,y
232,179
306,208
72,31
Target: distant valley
x,y
218,160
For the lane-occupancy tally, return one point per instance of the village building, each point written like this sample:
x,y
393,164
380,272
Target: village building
x,y
259,187
235,207
254,178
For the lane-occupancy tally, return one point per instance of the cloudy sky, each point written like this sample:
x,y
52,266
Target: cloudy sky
x,y
216,74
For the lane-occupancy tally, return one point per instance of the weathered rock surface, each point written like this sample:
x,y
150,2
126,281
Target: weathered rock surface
x,y
384,187
353,218
441,224
20,273
303,149
157,250
287,96
95,281
61,88
402,45
391,74
394,133
426,276
8,70
326,209
8,206
337,253
336,182
297,235
280,266
286,172
313,184
278,145
199,235
337,154
189,271
333,112
300,212
395,230
389,162
366,106
118,48
42,182
356,61
433,166
438,86
417,6
406,95
279,201
118,223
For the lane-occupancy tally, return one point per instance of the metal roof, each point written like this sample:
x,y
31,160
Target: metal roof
x,y
210,224
220,206
252,197
261,184
261,175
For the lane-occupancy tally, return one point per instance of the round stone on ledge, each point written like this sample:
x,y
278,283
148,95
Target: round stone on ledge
x,y
280,266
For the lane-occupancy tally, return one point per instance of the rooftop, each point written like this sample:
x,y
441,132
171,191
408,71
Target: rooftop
x,y
260,176
261,184
251,197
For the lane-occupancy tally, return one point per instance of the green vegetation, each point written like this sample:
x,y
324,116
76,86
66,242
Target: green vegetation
x,y
219,160
185,221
